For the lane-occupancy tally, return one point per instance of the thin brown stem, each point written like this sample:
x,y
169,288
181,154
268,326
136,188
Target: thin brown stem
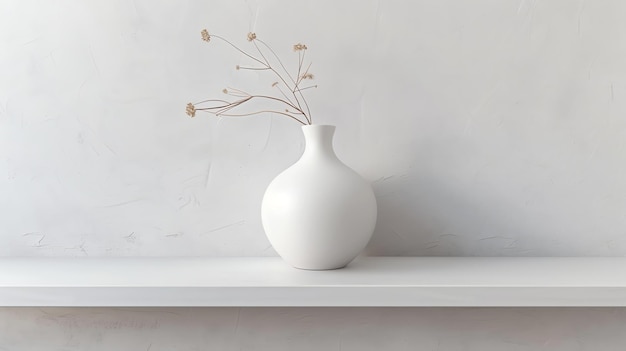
x,y
280,100
210,100
253,68
237,91
261,53
308,110
299,68
283,93
295,83
226,104
280,62
259,112
297,100
301,77
230,105
308,114
237,48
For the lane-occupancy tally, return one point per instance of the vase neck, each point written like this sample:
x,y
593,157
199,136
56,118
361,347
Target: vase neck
x,y
318,140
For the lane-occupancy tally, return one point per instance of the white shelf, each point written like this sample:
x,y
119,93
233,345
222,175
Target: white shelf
x,y
383,281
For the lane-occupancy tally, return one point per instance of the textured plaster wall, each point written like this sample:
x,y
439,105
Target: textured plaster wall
x,y
313,329
488,127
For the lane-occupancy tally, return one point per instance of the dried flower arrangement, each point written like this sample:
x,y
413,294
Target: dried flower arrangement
x,y
289,87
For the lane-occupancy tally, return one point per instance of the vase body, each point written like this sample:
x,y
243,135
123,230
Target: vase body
x,y
319,214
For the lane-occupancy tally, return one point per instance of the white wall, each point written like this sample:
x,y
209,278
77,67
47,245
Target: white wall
x,y
313,329
488,128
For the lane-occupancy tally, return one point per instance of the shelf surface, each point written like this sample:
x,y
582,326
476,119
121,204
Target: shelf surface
x,y
268,281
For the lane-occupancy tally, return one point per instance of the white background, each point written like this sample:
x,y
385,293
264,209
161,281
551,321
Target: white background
x,y
488,128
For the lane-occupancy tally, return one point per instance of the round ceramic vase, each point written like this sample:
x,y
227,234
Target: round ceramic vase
x,y
319,214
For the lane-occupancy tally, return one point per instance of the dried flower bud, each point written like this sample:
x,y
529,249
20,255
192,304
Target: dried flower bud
x,y
191,110
237,67
251,36
205,35
307,76
225,91
299,47
274,84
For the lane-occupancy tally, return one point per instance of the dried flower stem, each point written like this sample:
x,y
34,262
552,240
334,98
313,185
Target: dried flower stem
x,y
220,110
283,94
298,47
263,111
295,100
253,68
300,58
237,48
280,62
309,87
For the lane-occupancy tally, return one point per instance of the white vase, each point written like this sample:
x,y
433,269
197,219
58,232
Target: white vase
x,y
319,214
